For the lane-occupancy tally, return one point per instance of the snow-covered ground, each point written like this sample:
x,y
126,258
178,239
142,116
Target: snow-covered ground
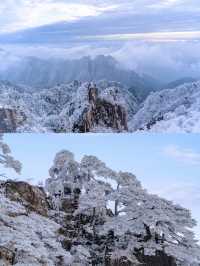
x,y
33,239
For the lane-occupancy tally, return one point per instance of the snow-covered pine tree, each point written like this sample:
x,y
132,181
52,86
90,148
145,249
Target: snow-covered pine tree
x,y
118,220
147,224
6,160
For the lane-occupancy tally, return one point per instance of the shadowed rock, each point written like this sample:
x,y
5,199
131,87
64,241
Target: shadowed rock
x,y
7,256
33,198
101,113
161,259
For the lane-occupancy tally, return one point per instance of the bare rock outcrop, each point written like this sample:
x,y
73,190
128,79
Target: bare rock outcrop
x,y
101,113
33,198
27,237
7,256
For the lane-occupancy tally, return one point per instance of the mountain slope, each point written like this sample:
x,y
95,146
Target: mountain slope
x,y
71,107
102,107
180,82
43,73
27,237
92,215
171,110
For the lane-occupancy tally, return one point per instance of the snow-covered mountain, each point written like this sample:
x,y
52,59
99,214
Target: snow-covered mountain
x,y
75,107
89,214
43,73
170,110
102,107
180,82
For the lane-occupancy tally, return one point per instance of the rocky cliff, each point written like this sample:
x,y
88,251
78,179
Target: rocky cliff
x,y
27,236
101,113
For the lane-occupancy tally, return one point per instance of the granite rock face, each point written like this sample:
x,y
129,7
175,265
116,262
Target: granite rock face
x,y
33,198
101,113
28,238
7,256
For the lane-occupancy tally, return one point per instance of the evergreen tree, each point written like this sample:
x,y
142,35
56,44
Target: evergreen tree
x,y
118,219
6,160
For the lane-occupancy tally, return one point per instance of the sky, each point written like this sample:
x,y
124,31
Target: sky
x,y
135,32
166,164
22,14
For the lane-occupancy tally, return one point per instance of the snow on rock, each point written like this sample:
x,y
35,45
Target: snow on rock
x,y
70,107
172,110
33,198
27,238
102,107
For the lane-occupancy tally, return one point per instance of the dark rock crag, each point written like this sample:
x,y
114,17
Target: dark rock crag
x,y
32,197
7,256
101,113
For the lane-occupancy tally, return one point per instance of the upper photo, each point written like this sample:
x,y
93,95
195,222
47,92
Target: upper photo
x,y
79,66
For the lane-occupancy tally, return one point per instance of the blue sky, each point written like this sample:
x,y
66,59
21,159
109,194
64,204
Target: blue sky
x,y
168,165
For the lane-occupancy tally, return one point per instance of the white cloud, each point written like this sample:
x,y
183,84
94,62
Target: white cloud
x,y
21,14
165,4
171,36
186,194
149,36
174,60
184,155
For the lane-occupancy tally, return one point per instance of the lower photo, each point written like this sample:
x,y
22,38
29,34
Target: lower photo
x,y
99,199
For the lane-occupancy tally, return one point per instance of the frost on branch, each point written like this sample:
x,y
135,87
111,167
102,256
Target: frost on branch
x,y
6,159
111,213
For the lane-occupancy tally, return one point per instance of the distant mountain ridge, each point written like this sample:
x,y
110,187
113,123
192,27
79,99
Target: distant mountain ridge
x,y
179,82
44,73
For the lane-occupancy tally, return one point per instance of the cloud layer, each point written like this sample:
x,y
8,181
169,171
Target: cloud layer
x,y
135,32
22,14
164,61
147,14
184,155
